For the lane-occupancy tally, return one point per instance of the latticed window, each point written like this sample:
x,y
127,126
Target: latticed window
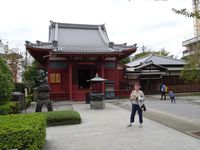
x,y
55,78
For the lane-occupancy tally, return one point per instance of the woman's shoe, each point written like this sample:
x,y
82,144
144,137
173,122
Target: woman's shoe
x,y
129,125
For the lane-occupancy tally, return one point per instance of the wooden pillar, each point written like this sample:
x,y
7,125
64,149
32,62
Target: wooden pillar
x,y
116,80
70,81
49,72
102,75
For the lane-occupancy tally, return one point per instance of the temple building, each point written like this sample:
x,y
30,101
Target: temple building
x,y
74,54
153,69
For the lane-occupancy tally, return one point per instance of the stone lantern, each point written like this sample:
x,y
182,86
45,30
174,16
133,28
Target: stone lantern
x,y
97,95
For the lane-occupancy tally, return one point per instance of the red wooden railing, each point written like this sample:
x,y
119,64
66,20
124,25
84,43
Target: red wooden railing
x,y
81,95
59,96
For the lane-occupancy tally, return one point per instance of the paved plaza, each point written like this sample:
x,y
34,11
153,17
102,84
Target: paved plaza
x,y
106,129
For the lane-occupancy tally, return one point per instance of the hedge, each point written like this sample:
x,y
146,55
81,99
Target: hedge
x,y
66,117
9,108
23,131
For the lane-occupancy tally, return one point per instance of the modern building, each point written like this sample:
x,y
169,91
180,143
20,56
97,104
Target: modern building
x,y
13,60
74,54
153,69
191,44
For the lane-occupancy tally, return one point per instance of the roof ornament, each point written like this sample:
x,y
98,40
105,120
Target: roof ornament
x,y
55,43
39,42
111,44
97,79
28,43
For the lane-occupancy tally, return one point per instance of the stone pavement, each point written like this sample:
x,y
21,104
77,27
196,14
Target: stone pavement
x,y
183,116
106,130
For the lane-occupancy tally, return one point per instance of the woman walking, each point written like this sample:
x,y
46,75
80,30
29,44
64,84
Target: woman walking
x,y
136,98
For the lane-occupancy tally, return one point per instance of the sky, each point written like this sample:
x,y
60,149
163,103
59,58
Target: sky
x,y
145,22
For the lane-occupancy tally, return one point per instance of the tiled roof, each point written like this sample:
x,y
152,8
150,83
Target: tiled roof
x,y
148,64
79,38
39,44
156,59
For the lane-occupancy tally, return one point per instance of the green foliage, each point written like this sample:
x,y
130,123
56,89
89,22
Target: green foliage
x,y
191,70
142,54
184,58
14,61
6,82
27,131
186,13
29,99
9,108
20,87
32,76
67,117
125,60
161,52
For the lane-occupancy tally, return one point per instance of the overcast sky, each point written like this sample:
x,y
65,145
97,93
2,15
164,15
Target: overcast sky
x,y
145,22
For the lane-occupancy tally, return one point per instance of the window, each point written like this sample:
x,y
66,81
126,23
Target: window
x,y
109,65
58,65
55,78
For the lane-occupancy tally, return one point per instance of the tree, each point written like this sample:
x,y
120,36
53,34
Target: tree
x,y
142,54
33,76
161,52
13,60
191,70
6,82
125,60
185,12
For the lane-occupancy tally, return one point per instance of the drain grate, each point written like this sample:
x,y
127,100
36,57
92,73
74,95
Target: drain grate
x,y
197,133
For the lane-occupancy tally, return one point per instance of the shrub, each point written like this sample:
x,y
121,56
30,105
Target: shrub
x,y
23,131
29,99
9,108
20,87
67,117
6,82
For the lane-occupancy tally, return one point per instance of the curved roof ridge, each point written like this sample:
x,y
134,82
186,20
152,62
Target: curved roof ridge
x,y
76,25
168,57
149,56
103,38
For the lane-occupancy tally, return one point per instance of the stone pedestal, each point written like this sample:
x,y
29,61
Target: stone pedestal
x,y
44,102
97,104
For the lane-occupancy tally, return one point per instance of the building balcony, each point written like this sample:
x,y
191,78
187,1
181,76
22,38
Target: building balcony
x,y
191,41
188,52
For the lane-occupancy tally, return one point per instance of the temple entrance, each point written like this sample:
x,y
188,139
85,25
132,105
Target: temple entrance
x,y
150,85
83,77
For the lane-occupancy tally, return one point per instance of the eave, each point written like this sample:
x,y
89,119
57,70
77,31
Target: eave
x,y
39,54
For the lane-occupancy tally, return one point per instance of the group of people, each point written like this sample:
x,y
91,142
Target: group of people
x,y
164,90
137,99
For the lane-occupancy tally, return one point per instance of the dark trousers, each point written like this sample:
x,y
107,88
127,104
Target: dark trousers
x,y
173,100
163,94
135,108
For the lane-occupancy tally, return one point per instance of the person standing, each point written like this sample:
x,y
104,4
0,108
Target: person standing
x,y
172,96
136,97
163,91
